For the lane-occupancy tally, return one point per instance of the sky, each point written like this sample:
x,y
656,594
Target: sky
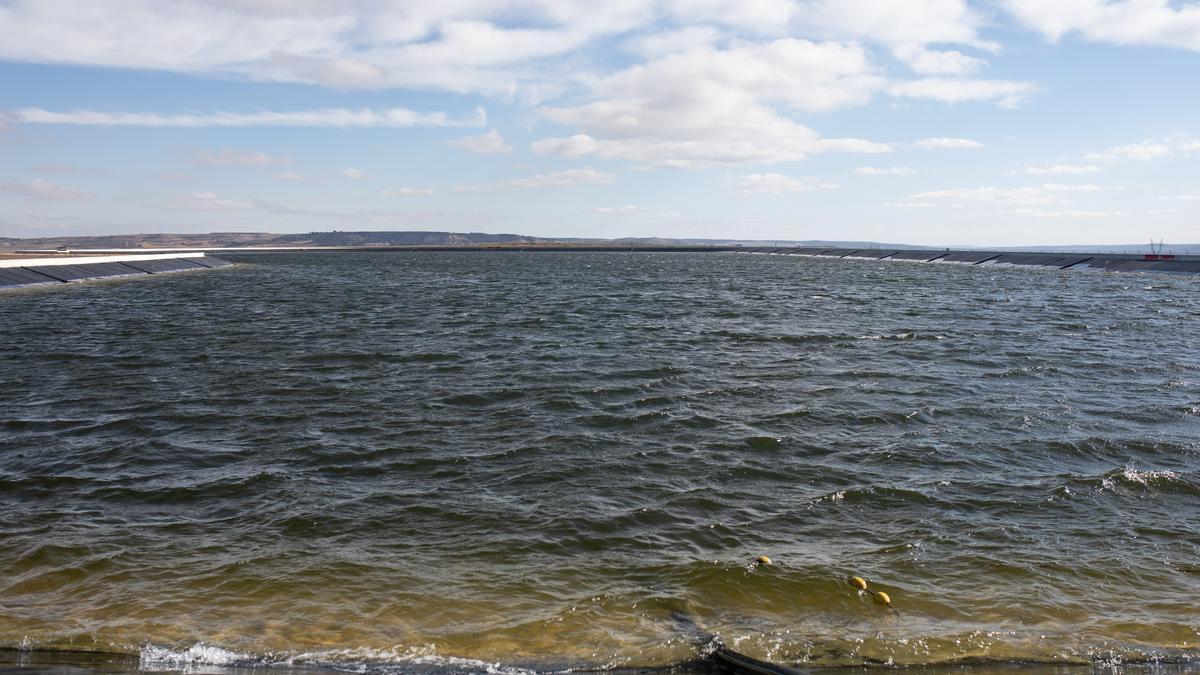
x,y
928,122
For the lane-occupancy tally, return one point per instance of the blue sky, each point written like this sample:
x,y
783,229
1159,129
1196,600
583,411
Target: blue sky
x,y
938,122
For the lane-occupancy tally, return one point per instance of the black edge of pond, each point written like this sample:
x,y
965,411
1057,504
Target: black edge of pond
x,y
35,274
1097,262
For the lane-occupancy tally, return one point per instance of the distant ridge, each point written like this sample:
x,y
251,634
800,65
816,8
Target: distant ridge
x,y
229,239
417,238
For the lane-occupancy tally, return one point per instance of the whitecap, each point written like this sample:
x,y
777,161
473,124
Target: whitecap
x,y
1146,477
152,657
387,660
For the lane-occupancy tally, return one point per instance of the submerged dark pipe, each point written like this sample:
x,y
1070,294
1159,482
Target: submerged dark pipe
x,y
723,659
733,662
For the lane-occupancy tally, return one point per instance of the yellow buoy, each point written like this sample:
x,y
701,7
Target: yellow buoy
x,y
858,582
762,560
882,598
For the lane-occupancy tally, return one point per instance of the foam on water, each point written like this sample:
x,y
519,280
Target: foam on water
x,y
152,657
902,336
366,660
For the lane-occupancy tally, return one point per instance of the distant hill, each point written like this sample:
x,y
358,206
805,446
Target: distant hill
x,y
333,238
337,238
223,239
139,240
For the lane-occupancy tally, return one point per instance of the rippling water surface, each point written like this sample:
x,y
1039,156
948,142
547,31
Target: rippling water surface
x,y
569,459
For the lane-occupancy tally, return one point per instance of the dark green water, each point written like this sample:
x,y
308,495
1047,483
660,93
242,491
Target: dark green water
x,y
473,461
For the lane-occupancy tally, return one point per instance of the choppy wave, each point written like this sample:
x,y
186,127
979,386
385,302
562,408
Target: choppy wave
x,y
1131,479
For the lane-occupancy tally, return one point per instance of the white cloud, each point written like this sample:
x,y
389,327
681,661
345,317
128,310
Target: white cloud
x,y
884,171
466,45
568,178
1138,152
512,49
708,107
1005,93
805,75
894,22
354,174
1071,187
1044,213
1026,195
1062,169
238,158
1157,23
562,179
491,143
207,201
925,61
573,147
942,143
1180,198
727,81
44,190
1148,149
627,210
504,48
325,117
764,17
288,176
407,192
671,41
522,50
1048,193
776,183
